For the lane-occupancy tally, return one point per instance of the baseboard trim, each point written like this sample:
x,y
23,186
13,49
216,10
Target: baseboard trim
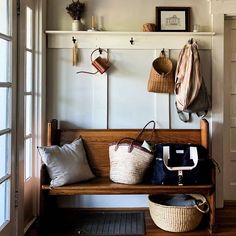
x,y
29,224
230,203
105,209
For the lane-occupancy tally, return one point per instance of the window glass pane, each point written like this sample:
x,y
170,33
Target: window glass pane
x,y
5,65
5,17
5,155
4,202
5,106
29,25
28,158
28,114
28,79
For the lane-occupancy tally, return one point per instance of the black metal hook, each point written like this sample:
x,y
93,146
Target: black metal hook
x,y
191,41
100,50
131,41
163,52
73,40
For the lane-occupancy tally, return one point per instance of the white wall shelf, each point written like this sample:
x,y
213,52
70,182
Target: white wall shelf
x,y
121,40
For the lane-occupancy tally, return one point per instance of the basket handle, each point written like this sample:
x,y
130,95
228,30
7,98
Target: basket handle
x,y
130,146
203,211
137,137
142,131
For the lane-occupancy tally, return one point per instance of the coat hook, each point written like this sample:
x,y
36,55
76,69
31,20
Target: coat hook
x,y
131,41
100,50
191,41
73,40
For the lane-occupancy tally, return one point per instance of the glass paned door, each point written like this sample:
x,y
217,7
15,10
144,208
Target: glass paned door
x,y
4,203
28,93
5,17
26,143
7,126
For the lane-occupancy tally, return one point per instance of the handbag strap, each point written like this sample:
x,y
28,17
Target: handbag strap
x,y
193,156
142,131
137,137
130,146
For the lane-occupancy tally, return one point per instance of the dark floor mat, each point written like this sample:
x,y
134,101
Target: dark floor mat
x,y
112,223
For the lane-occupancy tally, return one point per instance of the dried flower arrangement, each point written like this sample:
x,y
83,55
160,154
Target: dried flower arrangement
x,y
75,9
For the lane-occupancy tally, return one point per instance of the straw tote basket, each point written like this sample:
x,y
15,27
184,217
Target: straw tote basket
x,y
177,218
129,160
161,79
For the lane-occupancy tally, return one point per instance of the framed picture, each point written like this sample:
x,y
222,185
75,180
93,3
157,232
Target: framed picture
x,y
173,19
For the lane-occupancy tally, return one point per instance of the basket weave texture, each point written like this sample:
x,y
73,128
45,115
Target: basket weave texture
x,y
161,79
176,218
128,167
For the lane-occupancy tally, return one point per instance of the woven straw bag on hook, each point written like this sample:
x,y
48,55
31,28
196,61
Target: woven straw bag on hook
x,y
161,79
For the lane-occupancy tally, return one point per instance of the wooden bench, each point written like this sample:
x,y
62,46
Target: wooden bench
x,y
96,143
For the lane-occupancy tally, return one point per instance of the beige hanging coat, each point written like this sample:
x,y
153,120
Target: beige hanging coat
x,y
188,77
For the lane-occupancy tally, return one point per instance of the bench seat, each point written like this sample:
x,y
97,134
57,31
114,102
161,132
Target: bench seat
x,y
103,185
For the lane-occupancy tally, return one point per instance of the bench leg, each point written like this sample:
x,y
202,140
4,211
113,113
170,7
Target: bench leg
x,y
212,204
48,205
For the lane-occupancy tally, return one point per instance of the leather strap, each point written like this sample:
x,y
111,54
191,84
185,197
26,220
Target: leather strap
x,y
142,131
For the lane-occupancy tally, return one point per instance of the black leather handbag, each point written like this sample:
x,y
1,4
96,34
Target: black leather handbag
x,y
181,164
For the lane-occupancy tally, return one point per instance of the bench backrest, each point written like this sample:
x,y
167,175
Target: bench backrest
x,y
96,141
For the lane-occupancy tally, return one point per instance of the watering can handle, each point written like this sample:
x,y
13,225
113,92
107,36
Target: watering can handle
x,y
97,49
100,64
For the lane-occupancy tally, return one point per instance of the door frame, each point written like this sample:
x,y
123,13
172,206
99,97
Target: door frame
x,y
11,227
228,161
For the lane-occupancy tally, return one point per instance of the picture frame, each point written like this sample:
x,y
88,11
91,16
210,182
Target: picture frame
x,y
173,19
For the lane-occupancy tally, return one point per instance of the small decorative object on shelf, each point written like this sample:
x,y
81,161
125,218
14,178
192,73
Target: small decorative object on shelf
x,y
75,25
175,19
76,10
149,27
93,24
196,28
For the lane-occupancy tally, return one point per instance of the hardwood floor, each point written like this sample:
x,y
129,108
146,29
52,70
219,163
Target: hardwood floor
x,y
225,219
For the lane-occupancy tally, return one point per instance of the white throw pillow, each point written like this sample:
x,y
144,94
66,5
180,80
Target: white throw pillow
x,y
67,164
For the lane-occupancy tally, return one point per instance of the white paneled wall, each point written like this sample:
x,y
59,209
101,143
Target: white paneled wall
x,y
130,105
116,99
77,100
123,15
119,98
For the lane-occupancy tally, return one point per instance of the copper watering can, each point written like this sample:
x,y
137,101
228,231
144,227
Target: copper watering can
x,y
101,64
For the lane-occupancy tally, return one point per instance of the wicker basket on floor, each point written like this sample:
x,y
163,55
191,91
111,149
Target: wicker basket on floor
x,y
177,218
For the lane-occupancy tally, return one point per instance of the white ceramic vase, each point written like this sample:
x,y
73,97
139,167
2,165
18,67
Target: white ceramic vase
x,y
75,25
